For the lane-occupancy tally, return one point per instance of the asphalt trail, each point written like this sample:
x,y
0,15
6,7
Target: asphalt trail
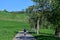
x,y
20,36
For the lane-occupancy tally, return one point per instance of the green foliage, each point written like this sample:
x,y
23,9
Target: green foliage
x,y
47,10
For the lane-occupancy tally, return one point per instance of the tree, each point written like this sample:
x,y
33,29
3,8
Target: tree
x,y
55,20
41,7
36,12
45,10
55,17
5,10
31,17
34,16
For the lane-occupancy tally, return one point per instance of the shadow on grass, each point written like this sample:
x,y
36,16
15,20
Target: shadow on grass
x,y
45,37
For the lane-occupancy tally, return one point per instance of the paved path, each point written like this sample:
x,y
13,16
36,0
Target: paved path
x,y
20,36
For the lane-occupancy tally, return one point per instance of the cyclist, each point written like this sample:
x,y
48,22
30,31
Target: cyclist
x,y
24,32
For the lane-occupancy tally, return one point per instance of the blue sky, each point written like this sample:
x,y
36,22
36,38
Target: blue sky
x,y
15,5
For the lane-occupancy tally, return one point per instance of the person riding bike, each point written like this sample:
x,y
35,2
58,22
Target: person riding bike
x,y
24,32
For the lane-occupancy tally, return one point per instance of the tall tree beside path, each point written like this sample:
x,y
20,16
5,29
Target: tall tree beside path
x,y
45,10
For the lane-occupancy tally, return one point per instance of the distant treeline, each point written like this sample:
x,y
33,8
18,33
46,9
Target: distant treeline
x,y
19,12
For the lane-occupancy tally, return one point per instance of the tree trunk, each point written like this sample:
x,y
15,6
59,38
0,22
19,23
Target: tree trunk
x,y
57,31
38,25
35,28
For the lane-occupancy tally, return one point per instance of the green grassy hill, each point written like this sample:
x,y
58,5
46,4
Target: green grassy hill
x,y
9,26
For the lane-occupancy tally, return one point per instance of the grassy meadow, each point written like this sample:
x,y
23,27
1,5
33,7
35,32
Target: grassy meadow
x,y
9,26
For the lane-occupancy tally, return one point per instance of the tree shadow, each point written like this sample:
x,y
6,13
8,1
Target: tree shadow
x,y
45,36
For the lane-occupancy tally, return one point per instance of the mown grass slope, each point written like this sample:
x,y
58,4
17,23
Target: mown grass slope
x,y
10,26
